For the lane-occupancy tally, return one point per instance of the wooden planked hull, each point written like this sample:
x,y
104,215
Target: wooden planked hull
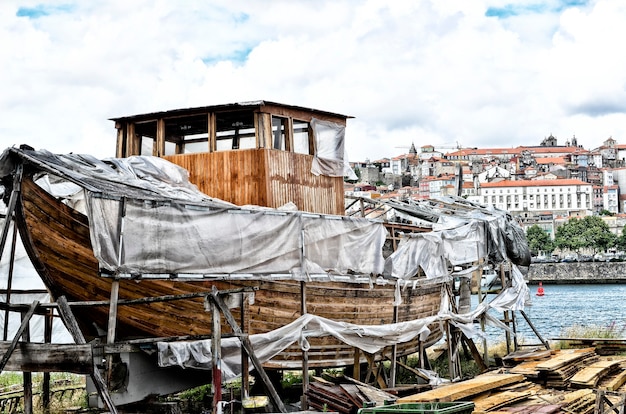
x,y
58,243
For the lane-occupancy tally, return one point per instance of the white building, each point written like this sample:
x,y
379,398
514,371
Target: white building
x,y
533,196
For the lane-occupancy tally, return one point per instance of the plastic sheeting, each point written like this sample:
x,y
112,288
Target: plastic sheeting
x,y
330,155
369,338
197,354
169,227
458,240
176,238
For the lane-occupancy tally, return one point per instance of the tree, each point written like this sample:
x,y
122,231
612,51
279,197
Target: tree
x,y
568,235
596,234
591,232
620,241
538,240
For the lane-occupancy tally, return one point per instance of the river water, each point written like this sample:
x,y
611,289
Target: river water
x,y
565,306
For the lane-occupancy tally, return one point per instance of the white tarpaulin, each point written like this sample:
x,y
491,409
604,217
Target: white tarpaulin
x,y
177,238
330,154
369,338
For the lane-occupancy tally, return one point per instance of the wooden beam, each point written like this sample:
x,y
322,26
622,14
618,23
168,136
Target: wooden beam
x,y
216,298
45,387
305,354
160,139
211,131
216,351
17,179
264,130
27,376
18,334
543,341
245,380
130,140
9,278
121,141
72,326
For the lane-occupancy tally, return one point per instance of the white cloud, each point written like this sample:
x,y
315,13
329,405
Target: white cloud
x,y
476,72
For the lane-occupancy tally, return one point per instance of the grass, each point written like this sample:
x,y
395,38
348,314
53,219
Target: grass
x,y
67,390
610,331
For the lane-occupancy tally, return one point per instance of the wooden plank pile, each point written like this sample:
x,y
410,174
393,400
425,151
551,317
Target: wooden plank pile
x,y
540,381
346,396
463,390
560,368
589,376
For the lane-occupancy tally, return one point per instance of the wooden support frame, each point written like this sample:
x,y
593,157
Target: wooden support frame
x,y
605,406
9,278
72,326
216,302
18,334
543,341
17,187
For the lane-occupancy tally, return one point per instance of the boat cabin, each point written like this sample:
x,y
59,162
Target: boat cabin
x,y
252,153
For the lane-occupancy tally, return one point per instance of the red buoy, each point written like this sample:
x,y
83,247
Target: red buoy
x,y
540,290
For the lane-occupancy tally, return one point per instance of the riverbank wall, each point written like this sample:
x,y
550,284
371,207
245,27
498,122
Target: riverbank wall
x,y
577,272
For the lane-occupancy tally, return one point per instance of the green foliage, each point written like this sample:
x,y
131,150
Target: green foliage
x,y
291,378
620,242
590,232
67,391
196,394
8,379
538,240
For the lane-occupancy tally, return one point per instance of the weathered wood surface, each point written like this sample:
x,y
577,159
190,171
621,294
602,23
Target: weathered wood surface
x,y
465,389
527,355
614,383
527,368
57,240
565,357
499,400
589,376
263,177
49,357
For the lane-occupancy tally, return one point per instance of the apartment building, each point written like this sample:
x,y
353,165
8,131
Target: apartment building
x,y
561,196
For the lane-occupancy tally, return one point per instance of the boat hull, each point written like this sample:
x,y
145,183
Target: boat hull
x,y
57,240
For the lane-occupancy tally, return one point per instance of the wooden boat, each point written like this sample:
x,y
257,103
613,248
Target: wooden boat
x,y
270,172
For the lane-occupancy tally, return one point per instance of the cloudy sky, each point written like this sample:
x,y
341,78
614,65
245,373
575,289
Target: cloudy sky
x,y
470,73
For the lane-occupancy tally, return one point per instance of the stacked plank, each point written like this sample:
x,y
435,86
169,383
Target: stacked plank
x,y
464,390
590,375
345,398
615,382
559,369
580,402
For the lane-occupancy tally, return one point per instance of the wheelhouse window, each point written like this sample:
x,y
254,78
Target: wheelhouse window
x,y
301,137
186,135
235,130
146,133
279,136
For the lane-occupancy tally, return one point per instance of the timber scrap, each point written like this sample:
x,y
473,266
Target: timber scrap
x,y
556,381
